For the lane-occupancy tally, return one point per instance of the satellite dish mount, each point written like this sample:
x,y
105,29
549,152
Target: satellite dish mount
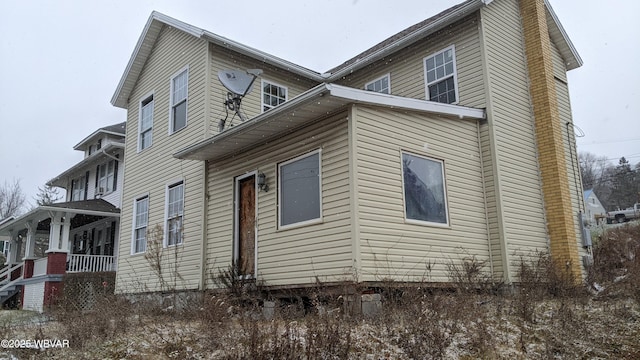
x,y
239,83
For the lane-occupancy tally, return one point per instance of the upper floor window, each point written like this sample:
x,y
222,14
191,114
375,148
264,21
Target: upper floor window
x,y
272,95
381,85
95,147
441,76
425,200
140,220
145,130
179,94
175,208
79,188
106,177
300,190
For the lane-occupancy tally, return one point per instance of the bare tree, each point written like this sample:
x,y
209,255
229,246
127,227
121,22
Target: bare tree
x,y
11,199
47,195
598,175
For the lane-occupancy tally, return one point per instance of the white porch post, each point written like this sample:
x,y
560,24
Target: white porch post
x,y
54,232
11,254
66,227
31,241
18,249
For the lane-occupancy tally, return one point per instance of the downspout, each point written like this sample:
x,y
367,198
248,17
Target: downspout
x,y
203,250
484,198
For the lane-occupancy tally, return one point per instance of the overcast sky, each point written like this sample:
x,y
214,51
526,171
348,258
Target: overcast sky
x,y
60,63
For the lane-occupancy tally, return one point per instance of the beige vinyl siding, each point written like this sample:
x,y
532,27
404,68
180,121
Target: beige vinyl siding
x,y
224,59
406,67
295,256
390,247
512,124
150,171
569,141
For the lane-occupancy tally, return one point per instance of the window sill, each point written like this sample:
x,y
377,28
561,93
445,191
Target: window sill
x,y
427,223
300,224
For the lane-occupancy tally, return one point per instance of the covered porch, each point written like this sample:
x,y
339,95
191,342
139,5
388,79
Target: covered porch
x,y
52,240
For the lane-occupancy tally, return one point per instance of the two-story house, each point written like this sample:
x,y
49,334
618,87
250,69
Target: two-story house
x,y
451,139
82,232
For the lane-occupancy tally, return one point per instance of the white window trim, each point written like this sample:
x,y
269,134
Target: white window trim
x,y
444,185
262,104
133,223
306,222
165,240
143,99
454,75
236,237
106,177
186,119
387,76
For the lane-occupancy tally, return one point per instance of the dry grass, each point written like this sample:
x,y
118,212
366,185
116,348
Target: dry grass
x,y
546,317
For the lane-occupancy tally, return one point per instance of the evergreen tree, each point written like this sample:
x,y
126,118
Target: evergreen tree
x,y
47,195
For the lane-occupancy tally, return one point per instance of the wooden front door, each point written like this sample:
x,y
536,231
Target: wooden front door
x,y
246,225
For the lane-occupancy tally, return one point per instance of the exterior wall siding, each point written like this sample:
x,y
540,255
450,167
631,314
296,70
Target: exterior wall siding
x,y
390,247
295,256
511,123
406,67
150,171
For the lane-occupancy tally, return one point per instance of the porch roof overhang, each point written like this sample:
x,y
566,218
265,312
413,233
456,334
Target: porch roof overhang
x,y
96,207
313,105
61,180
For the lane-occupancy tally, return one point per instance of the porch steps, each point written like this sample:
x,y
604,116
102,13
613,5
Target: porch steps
x,y
9,289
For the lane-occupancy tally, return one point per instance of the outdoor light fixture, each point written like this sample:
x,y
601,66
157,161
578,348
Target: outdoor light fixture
x,y
262,182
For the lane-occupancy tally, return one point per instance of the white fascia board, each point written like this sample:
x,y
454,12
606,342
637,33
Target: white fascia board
x,y
392,101
565,37
410,38
100,131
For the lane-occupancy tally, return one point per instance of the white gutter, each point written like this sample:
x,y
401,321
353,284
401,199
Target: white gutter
x,y
84,162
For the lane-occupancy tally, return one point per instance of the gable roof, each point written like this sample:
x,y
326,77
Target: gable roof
x,y
151,32
587,193
392,44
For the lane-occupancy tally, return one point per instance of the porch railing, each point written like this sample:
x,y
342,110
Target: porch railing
x,y
40,266
5,274
90,263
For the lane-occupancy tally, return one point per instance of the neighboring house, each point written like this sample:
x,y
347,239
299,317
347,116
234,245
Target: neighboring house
x,y
82,232
447,141
595,212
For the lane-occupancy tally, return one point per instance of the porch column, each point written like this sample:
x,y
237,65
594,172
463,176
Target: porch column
x,y
54,232
29,250
11,254
30,243
66,227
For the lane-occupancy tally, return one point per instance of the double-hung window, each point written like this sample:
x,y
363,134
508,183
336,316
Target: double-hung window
x,y
441,77
381,85
140,221
78,188
272,95
179,94
300,190
106,177
425,199
175,208
145,137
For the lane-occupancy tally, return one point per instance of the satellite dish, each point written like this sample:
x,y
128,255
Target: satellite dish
x,y
237,81
239,84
